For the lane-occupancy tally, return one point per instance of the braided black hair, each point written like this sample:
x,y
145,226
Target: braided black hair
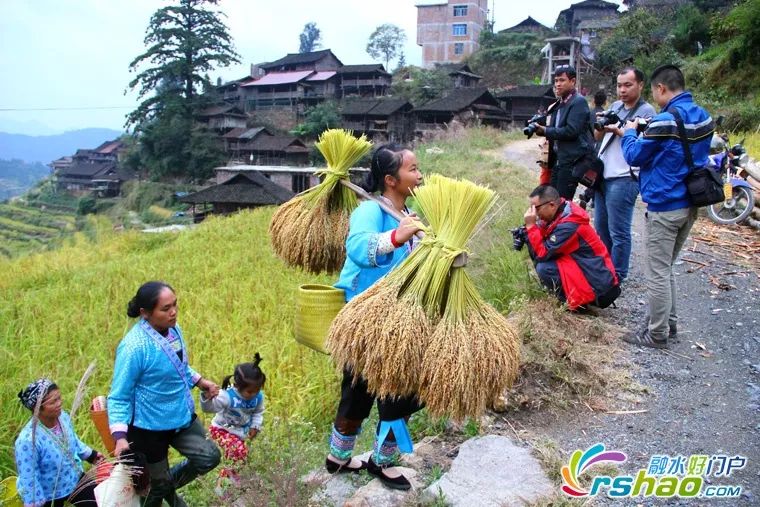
x,y
386,160
246,375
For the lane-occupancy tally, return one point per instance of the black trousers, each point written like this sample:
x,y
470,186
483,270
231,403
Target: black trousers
x,y
564,181
84,496
356,404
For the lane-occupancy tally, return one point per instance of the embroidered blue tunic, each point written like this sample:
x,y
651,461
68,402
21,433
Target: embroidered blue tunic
x,y
233,413
363,265
45,472
146,390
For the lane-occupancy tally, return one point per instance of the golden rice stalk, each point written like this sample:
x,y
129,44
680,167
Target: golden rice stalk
x,y
310,230
312,237
81,389
468,363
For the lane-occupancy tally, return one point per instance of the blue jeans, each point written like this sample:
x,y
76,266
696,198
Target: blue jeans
x,y
613,215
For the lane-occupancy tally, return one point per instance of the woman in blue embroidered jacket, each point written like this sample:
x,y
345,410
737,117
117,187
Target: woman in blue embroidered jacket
x,y
376,243
49,453
150,406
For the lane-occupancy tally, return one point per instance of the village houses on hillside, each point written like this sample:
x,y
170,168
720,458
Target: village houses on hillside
x,y
96,171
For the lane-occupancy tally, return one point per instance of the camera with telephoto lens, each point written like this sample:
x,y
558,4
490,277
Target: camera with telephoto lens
x,y
605,118
530,125
519,237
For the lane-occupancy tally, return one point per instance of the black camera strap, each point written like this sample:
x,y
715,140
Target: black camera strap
x,y
683,137
622,122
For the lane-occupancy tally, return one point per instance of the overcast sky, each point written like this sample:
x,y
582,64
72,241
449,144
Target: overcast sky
x,y
73,55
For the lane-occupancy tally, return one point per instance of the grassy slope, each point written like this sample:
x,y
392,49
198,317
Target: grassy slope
x,y
62,309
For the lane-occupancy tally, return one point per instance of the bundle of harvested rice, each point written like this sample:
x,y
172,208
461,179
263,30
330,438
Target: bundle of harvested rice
x,y
310,230
424,329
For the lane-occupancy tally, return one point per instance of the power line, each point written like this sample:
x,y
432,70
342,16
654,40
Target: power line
x,y
86,108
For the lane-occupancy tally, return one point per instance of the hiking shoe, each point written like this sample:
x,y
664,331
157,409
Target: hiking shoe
x,y
645,339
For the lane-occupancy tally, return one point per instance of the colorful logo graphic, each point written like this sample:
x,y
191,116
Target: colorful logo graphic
x,y
665,477
582,461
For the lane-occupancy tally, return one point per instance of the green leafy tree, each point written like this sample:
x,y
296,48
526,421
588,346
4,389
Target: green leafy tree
x,y
386,42
419,86
184,43
318,119
401,62
310,38
692,30
643,39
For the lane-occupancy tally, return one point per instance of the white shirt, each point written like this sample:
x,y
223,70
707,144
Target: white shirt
x,y
615,165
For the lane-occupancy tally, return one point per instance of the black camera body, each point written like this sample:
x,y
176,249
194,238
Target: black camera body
x,y
530,125
606,118
519,237
641,124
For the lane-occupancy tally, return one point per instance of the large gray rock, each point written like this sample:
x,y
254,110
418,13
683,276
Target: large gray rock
x,y
492,471
334,490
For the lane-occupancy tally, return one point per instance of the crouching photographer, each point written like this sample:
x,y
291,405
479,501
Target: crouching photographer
x,y
569,257
613,207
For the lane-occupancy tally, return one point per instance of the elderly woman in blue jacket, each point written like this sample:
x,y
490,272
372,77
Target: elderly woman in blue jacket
x,y
49,453
376,243
150,406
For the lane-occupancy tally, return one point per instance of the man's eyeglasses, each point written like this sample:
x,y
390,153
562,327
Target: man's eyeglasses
x,y
543,204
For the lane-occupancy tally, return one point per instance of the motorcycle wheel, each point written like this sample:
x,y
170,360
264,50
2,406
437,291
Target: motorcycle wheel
x,y
735,210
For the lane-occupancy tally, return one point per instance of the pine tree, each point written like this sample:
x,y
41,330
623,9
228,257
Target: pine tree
x,y
184,43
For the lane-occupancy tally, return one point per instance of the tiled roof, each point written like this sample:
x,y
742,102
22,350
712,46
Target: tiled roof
x,y
277,78
277,143
528,91
361,69
243,188
228,109
528,22
321,76
459,99
373,107
298,59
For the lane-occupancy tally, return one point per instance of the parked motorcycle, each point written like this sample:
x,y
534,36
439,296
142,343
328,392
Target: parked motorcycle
x,y
740,196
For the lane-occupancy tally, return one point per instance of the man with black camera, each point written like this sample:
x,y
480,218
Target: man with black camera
x,y
614,202
570,258
569,131
665,166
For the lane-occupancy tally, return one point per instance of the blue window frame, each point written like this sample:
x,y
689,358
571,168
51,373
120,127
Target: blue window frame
x,y
459,29
459,48
460,10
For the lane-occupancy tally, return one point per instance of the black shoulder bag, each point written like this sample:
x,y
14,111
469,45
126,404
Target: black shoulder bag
x,y
703,185
589,169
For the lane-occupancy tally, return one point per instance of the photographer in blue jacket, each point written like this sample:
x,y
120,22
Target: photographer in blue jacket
x,y
670,215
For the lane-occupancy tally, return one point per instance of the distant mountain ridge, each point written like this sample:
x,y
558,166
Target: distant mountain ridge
x,y
48,148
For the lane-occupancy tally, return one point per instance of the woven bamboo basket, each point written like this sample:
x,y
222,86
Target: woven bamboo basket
x,y
316,307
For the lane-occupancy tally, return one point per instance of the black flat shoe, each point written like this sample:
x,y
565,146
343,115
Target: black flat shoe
x,y
401,483
333,467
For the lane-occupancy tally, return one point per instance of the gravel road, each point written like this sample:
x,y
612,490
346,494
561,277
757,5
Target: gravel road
x,y
703,395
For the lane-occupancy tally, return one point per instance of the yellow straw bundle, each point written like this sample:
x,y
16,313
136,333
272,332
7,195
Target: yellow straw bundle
x,y
424,329
310,230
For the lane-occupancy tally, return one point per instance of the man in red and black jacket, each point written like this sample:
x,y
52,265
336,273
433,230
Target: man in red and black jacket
x,y
569,256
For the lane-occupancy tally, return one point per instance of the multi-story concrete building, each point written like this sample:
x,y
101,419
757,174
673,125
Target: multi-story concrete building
x,y
449,31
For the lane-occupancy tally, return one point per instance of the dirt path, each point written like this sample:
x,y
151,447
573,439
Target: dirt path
x,y
701,397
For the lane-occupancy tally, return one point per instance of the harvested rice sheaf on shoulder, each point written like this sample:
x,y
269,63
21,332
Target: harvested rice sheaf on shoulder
x,y
310,230
424,329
